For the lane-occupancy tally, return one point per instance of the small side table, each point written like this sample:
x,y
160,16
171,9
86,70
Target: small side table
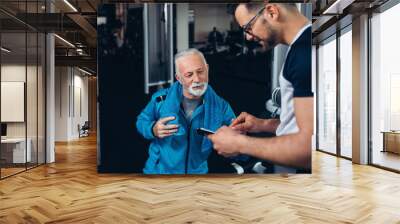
x,y
391,141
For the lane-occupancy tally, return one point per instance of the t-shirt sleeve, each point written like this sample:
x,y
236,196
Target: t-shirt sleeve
x,y
298,70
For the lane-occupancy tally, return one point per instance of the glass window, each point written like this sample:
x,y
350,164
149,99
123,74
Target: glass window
x,y
14,153
385,89
31,100
22,92
327,96
346,93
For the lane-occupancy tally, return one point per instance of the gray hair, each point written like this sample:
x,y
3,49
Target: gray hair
x,y
186,53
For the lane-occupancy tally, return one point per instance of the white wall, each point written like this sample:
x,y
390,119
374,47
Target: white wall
x,y
206,16
71,93
79,117
61,103
9,73
33,126
16,72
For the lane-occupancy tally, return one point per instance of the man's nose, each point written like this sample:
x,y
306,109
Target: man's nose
x,y
196,77
249,37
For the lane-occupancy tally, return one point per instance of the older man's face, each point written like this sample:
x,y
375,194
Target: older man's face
x,y
193,75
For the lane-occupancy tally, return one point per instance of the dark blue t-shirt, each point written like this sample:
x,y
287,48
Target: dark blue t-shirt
x,y
297,69
295,80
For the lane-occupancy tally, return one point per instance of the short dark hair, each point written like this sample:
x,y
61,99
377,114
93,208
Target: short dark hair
x,y
231,8
255,6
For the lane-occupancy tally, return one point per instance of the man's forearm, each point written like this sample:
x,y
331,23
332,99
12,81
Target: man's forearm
x,y
269,125
290,150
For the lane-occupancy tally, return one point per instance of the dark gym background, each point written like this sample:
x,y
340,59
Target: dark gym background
x,y
241,75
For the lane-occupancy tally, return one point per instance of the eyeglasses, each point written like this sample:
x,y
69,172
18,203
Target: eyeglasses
x,y
247,27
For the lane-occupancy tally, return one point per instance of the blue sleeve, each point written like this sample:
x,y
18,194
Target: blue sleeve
x,y
228,114
146,120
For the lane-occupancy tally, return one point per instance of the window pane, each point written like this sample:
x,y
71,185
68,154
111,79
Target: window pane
x,y
13,87
346,94
385,88
31,100
327,96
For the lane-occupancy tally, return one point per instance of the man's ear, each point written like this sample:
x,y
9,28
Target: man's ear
x,y
178,78
271,11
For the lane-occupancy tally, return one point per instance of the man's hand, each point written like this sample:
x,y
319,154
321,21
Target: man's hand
x,y
227,141
292,150
161,130
246,122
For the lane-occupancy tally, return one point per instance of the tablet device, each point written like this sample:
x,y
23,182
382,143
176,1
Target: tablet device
x,y
205,132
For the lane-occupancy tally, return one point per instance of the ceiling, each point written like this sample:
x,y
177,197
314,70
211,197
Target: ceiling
x,y
76,22
330,15
73,20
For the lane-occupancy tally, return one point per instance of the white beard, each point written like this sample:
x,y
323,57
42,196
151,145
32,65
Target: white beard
x,y
198,92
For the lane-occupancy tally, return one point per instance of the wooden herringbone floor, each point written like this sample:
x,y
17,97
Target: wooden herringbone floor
x,y
71,191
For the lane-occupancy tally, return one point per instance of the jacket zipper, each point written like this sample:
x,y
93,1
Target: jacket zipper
x,y
188,148
188,140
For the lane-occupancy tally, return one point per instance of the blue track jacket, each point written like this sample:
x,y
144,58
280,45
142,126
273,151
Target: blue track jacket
x,y
186,151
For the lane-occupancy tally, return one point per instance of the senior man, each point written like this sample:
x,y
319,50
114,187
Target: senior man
x,y
172,117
